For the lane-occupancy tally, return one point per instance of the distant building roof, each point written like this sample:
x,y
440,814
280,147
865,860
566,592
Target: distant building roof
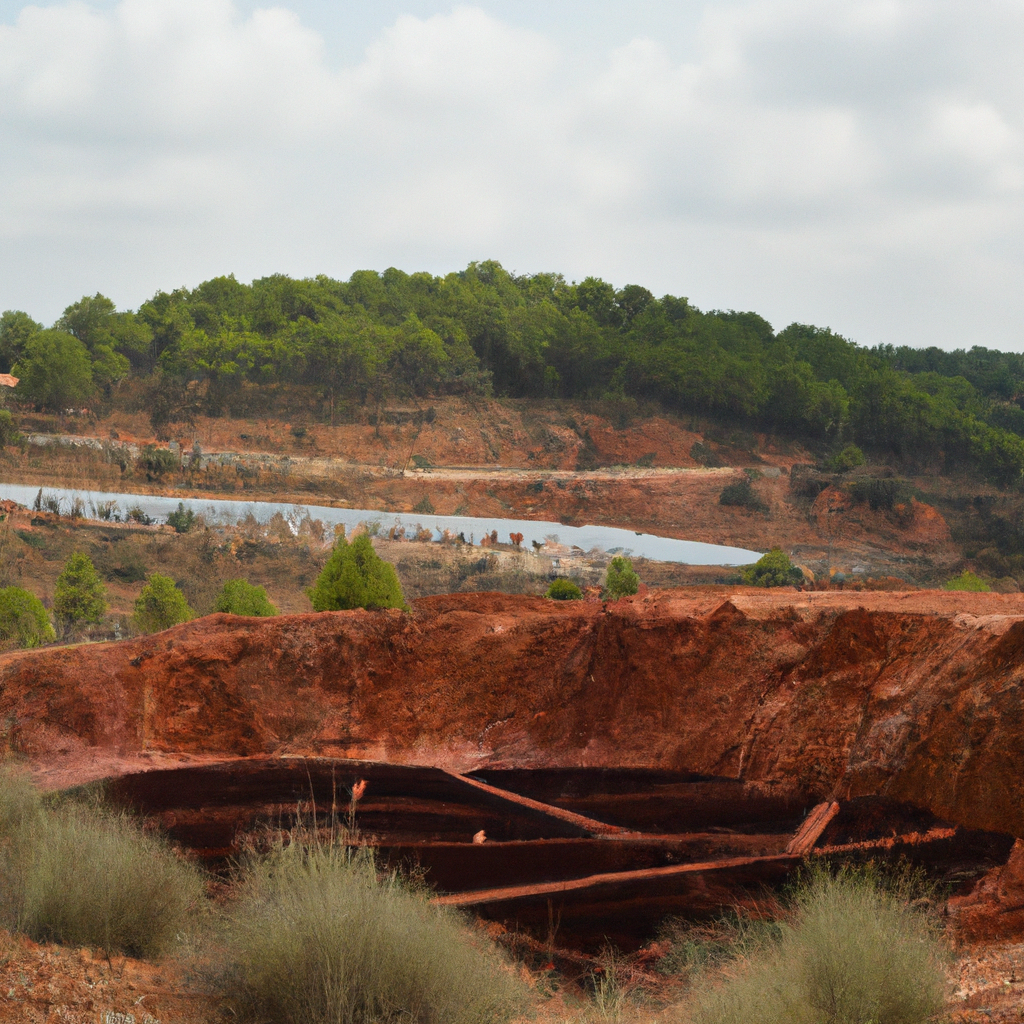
x,y
6,378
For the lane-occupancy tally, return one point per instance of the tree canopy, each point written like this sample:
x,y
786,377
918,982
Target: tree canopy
x,y
621,579
23,619
482,330
78,595
160,605
355,576
773,569
240,597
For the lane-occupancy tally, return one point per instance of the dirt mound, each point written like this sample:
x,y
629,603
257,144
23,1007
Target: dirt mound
x,y
915,697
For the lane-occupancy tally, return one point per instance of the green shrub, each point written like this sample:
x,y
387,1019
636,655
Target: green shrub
x,y
240,597
355,576
157,461
318,935
78,595
425,507
853,954
773,569
842,462
884,494
564,590
85,876
742,495
23,619
160,605
182,518
8,430
967,581
620,580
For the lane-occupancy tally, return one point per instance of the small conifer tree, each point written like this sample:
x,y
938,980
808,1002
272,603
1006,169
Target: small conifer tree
x,y
23,619
240,597
564,590
78,595
160,605
621,580
355,576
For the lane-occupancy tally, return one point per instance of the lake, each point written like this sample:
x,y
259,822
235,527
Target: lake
x,y
607,538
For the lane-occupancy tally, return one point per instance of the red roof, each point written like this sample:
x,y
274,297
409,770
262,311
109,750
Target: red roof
x,y
6,378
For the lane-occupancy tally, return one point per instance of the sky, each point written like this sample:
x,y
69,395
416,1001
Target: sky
x,y
857,165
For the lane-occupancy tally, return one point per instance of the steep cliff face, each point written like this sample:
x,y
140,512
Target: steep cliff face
x,y
916,697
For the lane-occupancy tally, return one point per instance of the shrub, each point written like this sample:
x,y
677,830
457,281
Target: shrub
x,y
157,461
318,935
773,569
701,453
967,581
742,495
842,462
620,580
240,597
86,876
8,430
182,519
78,595
884,494
853,954
564,590
160,605
355,576
424,507
23,619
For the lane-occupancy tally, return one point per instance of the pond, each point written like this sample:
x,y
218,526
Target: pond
x,y
607,538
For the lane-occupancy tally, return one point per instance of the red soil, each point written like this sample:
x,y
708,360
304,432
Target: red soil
x,y
912,696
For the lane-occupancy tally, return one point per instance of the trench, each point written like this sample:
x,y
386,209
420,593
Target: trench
x,y
606,853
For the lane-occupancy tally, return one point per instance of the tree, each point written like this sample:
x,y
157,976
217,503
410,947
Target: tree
x,y
23,619
621,579
773,569
356,577
240,597
160,605
16,328
78,596
55,371
8,430
564,590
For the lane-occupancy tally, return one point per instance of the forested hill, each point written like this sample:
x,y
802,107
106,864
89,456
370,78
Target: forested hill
x,y
485,331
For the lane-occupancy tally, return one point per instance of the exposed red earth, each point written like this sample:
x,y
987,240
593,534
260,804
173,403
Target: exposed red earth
x,y
686,735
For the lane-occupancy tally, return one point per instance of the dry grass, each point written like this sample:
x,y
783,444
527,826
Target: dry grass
x,y
79,874
317,934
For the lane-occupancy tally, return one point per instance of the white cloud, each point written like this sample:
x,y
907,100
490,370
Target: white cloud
x,y
850,163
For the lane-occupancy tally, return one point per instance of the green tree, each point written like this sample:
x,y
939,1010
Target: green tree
x,y
773,569
240,597
16,328
55,371
23,619
621,580
160,605
355,576
564,590
967,581
78,596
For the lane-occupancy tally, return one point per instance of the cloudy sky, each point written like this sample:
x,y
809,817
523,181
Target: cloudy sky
x,y
855,164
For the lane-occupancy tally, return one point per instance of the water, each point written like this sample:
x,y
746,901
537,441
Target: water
x,y
607,538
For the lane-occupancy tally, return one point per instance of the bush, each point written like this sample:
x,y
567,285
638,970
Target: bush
x,y
157,461
23,619
564,590
967,581
853,954
883,494
742,495
240,597
773,569
620,580
355,576
78,595
318,935
842,462
85,876
8,430
182,519
160,605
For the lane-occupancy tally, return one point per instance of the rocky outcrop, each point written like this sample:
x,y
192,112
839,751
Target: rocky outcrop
x,y
914,697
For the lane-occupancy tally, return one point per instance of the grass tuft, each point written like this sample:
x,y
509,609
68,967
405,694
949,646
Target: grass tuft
x,y
318,935
82,875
